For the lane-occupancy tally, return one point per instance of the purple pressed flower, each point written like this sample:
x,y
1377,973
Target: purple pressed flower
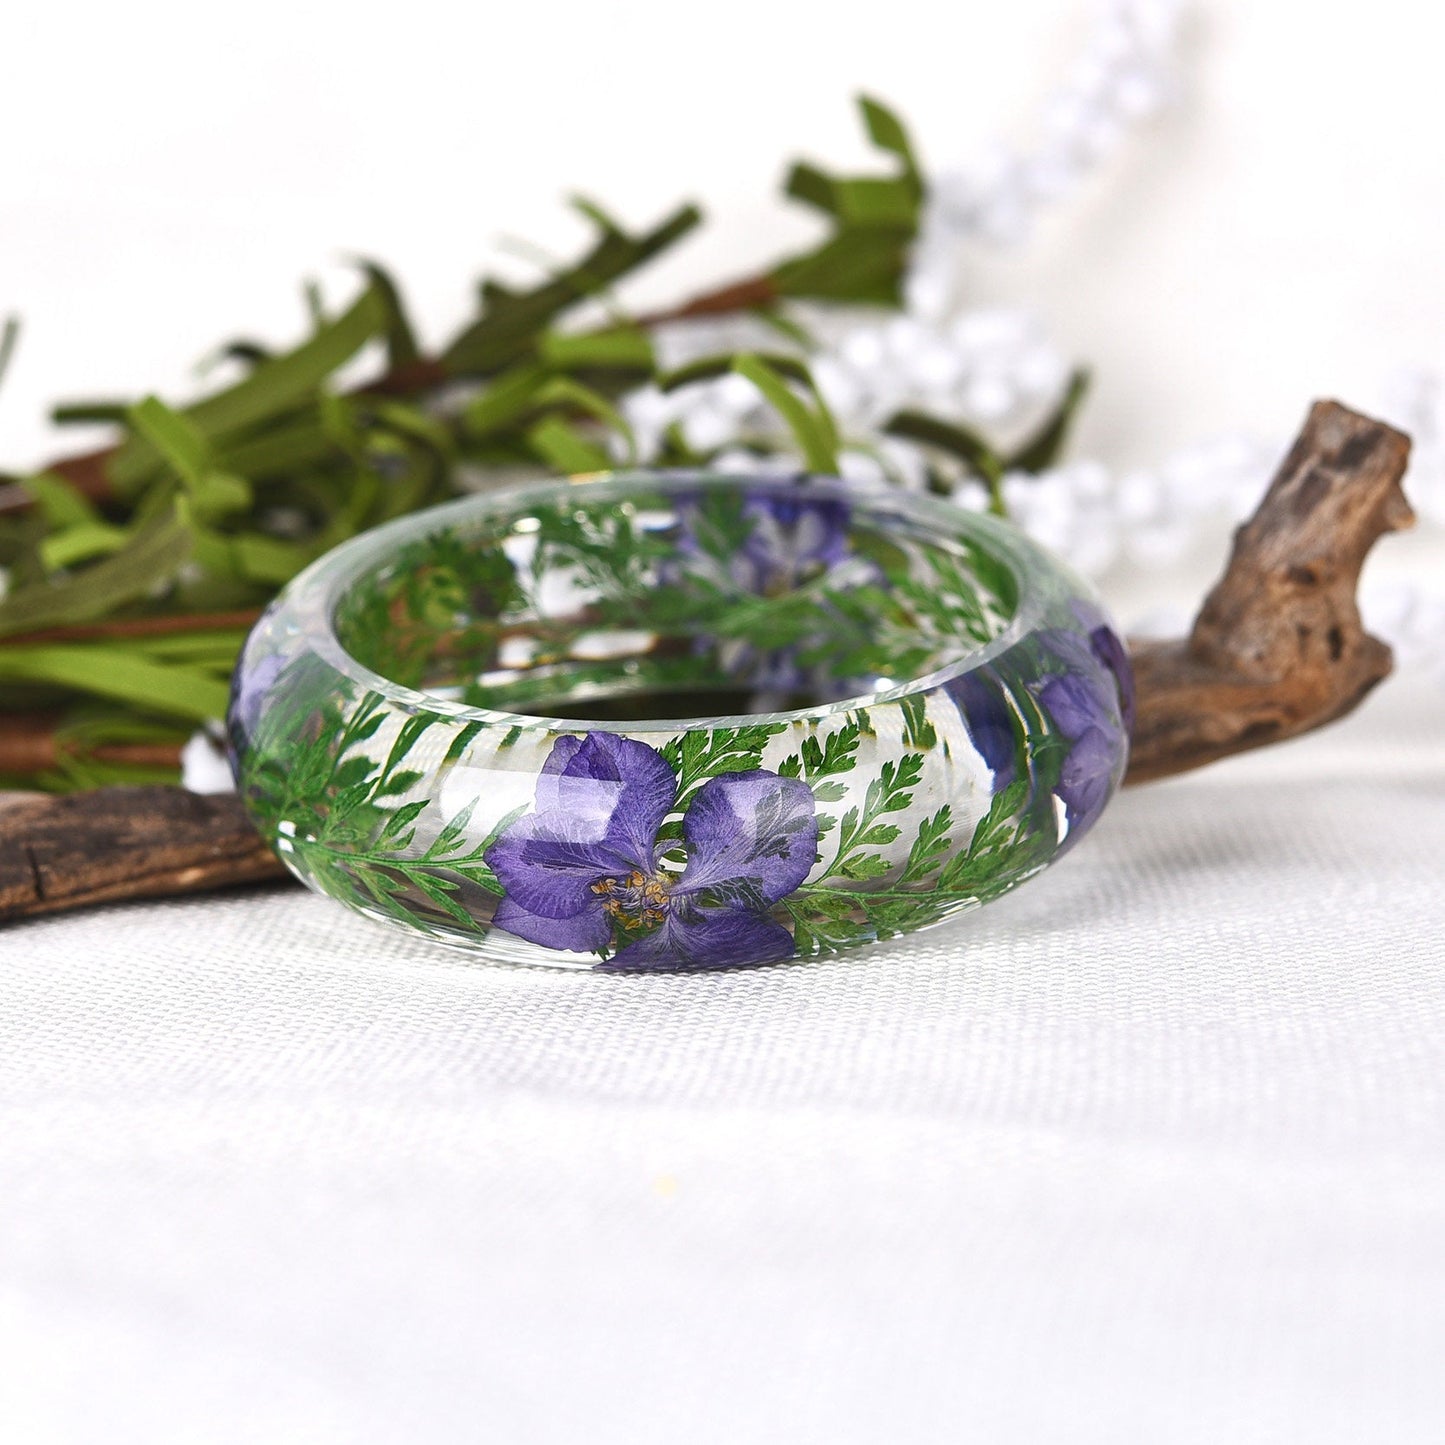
x,y
1104,642
792,539
249,687
1081,714
989,718
1092,706
583,872
1085,704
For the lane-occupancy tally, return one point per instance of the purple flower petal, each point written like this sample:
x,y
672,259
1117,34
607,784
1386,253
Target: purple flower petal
x,y
793,536
707,938
585,932
1074,704
249,688
1085,780
751,839
990,721
1111,652
624,789
548,862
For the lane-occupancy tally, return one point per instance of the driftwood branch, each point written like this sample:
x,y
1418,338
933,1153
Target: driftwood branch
x,y
1277,649
65,852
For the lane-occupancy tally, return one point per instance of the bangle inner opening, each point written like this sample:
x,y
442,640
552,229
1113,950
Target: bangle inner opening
x,y
751,597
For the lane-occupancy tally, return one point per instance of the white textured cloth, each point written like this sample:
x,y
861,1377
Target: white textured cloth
x,y
1153,1150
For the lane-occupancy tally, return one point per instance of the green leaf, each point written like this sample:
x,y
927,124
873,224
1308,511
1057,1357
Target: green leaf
x,y
813,430
930,847
918,732
264,559
275,386
461,742
562,446
509,326
623,348
184,448
58,502
563,391
401,347
1044,449
887,132
876,217
81,543
709,368
863,866
179,442
864,201
502,403
88,412
115,673
863,264
959,442
151,557
9,335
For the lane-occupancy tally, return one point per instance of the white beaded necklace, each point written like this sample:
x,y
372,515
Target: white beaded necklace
x,y
997,371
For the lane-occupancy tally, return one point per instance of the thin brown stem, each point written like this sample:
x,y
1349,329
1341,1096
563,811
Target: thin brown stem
x,y
243,619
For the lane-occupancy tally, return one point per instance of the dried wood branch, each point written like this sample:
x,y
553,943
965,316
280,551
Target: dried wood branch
x,y
65,852
1277,649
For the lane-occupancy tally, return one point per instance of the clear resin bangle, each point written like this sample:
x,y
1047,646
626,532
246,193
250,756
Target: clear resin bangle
x,y
679,721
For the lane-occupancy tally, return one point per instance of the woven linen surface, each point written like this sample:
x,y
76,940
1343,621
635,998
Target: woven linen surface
x,y
1153,1150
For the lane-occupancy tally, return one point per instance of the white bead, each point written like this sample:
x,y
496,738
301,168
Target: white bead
x,y
1092,78
1005,220
705,424
204,768
1114,40
1168,619
1066,114
1159,544
1137,94
1093,546
989,397
735,395
903,338
1041,371
994,328
741,460
864,350
937,366
859,467
928,289
1139,498
1100,137
952,200
1090,481
839,386
1052,174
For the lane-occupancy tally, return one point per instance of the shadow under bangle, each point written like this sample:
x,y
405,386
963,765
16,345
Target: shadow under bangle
x,y
678,721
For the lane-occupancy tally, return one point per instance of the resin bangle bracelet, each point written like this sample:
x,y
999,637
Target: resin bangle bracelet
x,y
678,721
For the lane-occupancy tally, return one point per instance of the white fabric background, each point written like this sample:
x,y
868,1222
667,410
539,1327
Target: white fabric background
x,y
1153,1150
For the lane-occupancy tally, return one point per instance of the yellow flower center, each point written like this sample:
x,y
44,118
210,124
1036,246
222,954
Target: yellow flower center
x,y
637,901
